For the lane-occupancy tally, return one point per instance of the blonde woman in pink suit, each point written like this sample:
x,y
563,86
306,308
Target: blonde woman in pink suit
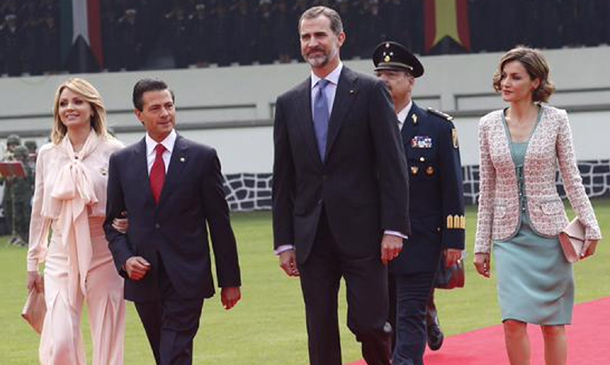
x,y
520,212
70,202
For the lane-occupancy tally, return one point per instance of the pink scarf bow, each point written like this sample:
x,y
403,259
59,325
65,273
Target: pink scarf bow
x,y
74,190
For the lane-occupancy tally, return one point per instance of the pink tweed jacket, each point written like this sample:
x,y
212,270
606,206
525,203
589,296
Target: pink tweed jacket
x,y
550,147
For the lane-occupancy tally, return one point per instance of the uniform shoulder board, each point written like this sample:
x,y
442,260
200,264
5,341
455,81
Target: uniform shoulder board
x,y
439,114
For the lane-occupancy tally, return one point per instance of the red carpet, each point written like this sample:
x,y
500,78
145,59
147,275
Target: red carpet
x,y
588,337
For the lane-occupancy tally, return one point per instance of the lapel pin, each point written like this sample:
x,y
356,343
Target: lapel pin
x,y
352,91
414,117
182,159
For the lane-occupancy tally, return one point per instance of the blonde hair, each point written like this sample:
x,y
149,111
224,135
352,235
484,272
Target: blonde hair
x,y
92,96
536,66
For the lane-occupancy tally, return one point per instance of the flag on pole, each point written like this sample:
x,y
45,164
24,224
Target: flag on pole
x,y
81,22
446,18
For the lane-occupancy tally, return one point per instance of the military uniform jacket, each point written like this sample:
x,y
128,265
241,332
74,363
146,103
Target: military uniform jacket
x,y
436,201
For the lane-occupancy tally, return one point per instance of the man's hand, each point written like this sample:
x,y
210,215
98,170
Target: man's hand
x,y
136,267
452,256
589,248
483,264
35,281
391,246
230,296
288,262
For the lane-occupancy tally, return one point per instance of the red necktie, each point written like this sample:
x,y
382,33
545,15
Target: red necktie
x,y
157,173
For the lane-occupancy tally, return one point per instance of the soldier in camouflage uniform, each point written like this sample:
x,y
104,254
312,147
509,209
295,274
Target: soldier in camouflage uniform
x,y
32,147
12,141
22,190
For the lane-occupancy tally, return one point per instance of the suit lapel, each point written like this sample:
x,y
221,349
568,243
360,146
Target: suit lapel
x,y
141,167
176,167
346,92
305,123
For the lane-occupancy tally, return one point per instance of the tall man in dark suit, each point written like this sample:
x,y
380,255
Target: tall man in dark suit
x,y
340,193
171,189
436,206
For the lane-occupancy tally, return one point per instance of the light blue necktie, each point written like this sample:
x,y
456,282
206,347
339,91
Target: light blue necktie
x,y
320,117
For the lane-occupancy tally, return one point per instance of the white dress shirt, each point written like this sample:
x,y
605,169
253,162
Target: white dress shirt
x,y
168,143
402,115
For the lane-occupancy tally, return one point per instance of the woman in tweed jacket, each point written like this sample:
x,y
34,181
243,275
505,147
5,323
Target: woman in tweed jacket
x,y
521,213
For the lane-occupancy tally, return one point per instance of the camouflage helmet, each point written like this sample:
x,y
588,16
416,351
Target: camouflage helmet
x,y
31,145
21,152
13,139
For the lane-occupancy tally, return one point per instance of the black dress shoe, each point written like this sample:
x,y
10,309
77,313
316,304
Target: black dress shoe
x,y
435,336
433,327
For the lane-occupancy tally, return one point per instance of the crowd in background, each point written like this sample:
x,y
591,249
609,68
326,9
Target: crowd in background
x,y
29,37
204,32
156,34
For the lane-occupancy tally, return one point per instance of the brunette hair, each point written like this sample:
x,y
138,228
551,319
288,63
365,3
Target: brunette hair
x,y
536,66
336,25
145,85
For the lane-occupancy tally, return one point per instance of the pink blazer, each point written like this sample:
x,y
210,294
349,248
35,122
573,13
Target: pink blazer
x,y
550,147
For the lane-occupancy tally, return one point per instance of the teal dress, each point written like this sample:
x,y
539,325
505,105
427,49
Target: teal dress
x,y
535,282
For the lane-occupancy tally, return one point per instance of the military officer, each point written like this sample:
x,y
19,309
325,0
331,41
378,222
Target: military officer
x,y
436,205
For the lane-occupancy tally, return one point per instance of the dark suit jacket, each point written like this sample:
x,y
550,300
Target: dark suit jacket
x,y
175,231
436,191
363,182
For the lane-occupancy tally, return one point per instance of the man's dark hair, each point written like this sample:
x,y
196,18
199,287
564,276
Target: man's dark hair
x,y
336,25
145,85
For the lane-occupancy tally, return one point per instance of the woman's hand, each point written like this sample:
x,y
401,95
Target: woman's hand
x,y
482,263
35,281
121,224
589,248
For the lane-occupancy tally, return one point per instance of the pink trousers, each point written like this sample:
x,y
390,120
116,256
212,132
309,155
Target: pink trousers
x,y
61,341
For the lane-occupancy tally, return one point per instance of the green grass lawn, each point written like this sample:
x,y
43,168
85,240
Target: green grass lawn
x,y
267,326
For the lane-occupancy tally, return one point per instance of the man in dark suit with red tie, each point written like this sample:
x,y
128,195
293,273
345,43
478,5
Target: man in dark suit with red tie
x,y
171,189
340,193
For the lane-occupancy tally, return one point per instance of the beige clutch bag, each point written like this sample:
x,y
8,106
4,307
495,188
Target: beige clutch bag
x,y
572,239
34,310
